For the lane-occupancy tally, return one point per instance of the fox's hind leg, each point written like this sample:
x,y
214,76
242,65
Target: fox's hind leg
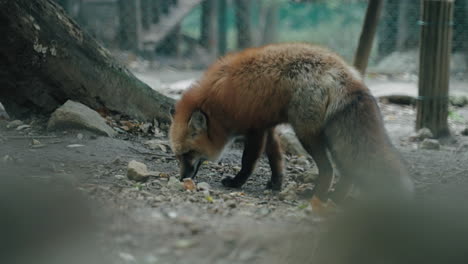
x,y
253,148
317,149
275,158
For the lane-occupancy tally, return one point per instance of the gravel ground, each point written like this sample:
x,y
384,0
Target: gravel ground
x,y
160,222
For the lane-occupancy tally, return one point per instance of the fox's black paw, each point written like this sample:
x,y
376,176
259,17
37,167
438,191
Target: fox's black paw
x,y
273,186
230,182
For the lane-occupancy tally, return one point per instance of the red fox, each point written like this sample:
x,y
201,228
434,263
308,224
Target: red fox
x,y
325,101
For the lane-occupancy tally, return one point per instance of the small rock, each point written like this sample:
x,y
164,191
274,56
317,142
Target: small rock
x,y
145,128
36,144
80,136
127,257
302,161
175,184
153,174
421,134
189,184
76,115
172,214
23,127
137,171
14,124
157,144
203,186
309,177
75,146
289,193
184,243
432,144
7,159
119,177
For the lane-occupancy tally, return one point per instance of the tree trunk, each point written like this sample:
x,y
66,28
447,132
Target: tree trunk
x,y
146,14
270,27
222,27
130,25
208,38
47,59
243,23
408,31
367,35
156,11
388,28
434,64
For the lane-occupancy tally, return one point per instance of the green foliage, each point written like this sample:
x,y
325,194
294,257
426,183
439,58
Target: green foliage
x,y
456,117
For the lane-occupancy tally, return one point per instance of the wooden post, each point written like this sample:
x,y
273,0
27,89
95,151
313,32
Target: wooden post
x,y
130,25
367,35
244,31
222,27
434,66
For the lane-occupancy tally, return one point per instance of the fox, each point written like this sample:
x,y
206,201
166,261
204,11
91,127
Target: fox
x,y
333,113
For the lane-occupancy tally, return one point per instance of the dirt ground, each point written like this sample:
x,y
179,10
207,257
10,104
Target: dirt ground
x,y
157,222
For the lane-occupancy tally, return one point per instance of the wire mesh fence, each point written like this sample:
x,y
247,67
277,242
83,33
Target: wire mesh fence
x,y
196,31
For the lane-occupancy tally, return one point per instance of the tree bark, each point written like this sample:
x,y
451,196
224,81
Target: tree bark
x,y
367,35
388,30
270,27
408,30
208,26
47,59
222,27
243,24
434,66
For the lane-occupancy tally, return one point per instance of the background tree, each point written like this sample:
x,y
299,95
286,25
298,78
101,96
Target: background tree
x,y
208,26
243,23
47,59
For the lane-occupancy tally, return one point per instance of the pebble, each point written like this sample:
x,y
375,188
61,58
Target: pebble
x,y
23,127
422,134
14,124
431,144
7,158
184,243
127,257
203,186
80,136
137,171
174,184
119,177
75,146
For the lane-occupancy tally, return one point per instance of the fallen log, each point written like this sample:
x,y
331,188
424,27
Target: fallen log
x,y
46,59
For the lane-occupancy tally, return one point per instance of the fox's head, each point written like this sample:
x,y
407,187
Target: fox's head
x,y
191,142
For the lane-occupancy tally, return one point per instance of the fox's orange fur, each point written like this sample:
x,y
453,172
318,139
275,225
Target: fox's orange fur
x,y
250,92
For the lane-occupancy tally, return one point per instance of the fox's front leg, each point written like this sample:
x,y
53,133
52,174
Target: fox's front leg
x,y
253,148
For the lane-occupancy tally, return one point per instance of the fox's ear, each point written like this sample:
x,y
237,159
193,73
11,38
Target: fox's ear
x,y
198,122
172,112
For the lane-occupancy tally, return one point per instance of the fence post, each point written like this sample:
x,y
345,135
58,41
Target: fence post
x,y
367,35
434,65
